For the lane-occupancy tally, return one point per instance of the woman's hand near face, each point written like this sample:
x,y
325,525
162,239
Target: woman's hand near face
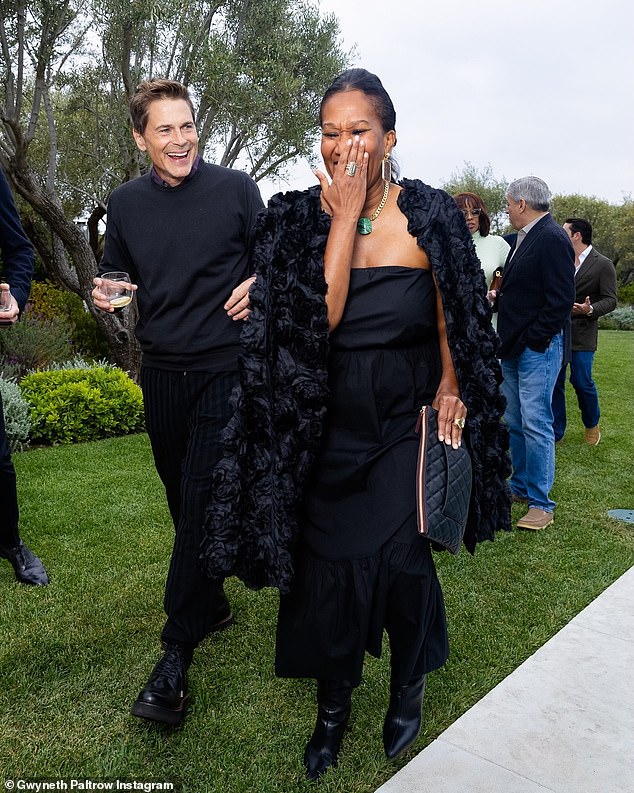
x,y
344,197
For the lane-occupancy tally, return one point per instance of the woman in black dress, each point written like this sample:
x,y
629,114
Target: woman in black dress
x,y
362,566
404,323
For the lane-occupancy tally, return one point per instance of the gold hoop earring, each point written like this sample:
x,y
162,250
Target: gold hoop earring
x,y
386,168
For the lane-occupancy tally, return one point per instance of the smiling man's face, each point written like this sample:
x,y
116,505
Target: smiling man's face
x,y
170,139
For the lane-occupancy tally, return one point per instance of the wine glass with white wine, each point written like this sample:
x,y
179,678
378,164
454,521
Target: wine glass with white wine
x,y
116,288
5,305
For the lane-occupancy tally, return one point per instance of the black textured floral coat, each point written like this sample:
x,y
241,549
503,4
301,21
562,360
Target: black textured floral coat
x,y
269,445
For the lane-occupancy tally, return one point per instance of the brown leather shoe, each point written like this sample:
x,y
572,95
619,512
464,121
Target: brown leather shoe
x,y
518,499
535,519
593,435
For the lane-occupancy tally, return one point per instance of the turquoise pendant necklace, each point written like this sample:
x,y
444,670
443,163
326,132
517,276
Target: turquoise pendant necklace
x,y
364,225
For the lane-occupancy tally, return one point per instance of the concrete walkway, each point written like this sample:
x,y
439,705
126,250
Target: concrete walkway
x,y
563,721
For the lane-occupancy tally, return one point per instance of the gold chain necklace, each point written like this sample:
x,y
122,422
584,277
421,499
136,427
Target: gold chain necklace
x,y
364,225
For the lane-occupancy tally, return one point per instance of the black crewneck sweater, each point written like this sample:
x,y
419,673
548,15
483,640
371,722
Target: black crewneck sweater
x,y
187,248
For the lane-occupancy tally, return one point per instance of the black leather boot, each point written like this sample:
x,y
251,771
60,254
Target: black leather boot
x,y
164,697
333,711
404,717
28,568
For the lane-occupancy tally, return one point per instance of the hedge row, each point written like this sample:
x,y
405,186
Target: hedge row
x,y
71,405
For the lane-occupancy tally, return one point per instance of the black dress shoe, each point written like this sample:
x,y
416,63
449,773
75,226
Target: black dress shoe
x,y
404,717
164,697
28,568
333,711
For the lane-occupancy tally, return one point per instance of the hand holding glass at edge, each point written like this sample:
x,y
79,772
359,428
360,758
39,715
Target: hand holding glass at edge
x,y
113,291
8,307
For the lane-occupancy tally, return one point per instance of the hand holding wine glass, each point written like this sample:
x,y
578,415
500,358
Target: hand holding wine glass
x,y
113,291
8,307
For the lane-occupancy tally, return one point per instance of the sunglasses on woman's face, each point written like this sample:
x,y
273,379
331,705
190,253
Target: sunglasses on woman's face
x,y
475,213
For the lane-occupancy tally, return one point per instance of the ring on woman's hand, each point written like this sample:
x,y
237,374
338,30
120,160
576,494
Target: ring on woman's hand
x,y
351,168
459,423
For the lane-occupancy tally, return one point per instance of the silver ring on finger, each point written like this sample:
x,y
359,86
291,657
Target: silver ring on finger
x,y
351,168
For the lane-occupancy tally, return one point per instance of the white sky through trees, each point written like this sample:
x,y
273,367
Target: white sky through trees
x,y
543,88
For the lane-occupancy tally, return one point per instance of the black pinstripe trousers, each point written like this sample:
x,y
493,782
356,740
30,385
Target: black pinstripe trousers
x,y
185,413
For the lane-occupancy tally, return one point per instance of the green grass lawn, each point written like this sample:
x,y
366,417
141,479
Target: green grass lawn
x,y
74,655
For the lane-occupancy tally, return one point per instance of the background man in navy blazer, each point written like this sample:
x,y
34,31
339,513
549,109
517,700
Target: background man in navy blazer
x,y
534,305
595,284
17,269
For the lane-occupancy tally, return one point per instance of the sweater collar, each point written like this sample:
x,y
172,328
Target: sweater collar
x,y
158,181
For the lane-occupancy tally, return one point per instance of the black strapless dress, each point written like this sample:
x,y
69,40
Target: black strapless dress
x,y
362,565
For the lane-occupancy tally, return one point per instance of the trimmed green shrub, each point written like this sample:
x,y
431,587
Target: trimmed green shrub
x,y
619,319
625,294
33,343
17,415
74,405
49,302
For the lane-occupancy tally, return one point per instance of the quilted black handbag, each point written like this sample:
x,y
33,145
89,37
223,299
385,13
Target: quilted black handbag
x,y
443,485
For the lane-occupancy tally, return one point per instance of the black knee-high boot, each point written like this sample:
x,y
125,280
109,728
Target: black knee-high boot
x,y
404,716
333,711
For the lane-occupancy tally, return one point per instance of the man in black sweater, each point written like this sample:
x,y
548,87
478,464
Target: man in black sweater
x,y
17,269
183,232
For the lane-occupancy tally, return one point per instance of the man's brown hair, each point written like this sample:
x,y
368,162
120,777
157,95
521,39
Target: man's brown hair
x,y
150,91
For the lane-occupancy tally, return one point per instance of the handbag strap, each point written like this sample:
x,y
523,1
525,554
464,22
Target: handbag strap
x,y
422,428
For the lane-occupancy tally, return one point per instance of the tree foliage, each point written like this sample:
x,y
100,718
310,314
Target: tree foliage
x,y
256,69
482,182
612,228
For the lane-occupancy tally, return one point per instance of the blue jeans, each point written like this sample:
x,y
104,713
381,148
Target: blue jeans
x,y
529,381
587,397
